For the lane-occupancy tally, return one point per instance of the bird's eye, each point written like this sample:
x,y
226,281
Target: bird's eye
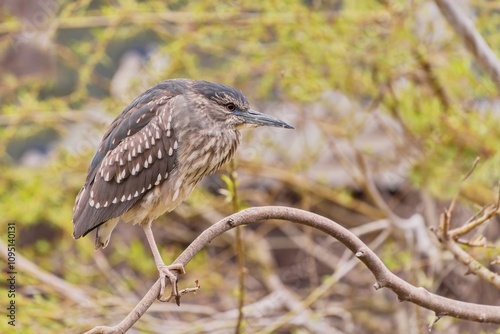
x,y
231,107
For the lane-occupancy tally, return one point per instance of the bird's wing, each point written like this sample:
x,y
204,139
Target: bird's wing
x,y
123,170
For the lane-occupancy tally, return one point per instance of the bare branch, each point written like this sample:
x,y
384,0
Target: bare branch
x,y
384,278
472,39
471,170
450,238
474,266
487,214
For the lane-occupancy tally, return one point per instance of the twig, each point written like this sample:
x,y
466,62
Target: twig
x,y
471,170
371,189
475,243
384,278
472,264
449,237
487,214
240,249
444,225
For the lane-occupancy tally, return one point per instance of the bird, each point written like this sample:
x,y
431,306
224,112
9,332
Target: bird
x,y
153,155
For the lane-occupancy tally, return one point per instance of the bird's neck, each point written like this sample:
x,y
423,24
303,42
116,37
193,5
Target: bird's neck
x,y
209,150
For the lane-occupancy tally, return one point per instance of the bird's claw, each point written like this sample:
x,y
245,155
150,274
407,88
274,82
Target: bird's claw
x,y
166,272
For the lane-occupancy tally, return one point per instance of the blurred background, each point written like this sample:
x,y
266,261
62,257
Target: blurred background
x,y
390,112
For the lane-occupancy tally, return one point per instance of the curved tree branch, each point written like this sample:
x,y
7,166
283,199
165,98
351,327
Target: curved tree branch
x,y
384,278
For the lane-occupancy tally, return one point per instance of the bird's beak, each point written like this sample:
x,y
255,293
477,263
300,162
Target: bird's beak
x,y
253,117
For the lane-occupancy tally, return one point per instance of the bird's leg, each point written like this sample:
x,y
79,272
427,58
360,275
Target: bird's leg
x,y
165,271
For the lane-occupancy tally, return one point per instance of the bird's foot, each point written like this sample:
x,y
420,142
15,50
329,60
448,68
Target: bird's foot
x,y
166,272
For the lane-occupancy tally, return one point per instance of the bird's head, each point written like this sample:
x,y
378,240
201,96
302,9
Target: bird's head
x,y
229,107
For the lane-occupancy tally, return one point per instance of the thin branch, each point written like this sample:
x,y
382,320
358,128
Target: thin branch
x,y
384,278
472,39
64,288
240,248
445,218
481,242
487,215
371,189
472,264
471,170
449,238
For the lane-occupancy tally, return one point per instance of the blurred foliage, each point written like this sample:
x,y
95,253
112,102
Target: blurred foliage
x,y
379,53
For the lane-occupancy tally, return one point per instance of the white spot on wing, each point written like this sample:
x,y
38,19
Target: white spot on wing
x,y
170,151
115,200
158,180
123,198
159,154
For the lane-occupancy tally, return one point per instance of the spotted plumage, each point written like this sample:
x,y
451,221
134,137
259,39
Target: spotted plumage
x,y
156,151
124,168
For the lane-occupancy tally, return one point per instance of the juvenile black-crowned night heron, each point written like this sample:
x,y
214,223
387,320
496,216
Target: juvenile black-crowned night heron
x,y
155,152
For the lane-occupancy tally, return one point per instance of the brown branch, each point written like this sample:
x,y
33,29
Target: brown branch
x,y
448,239
472,264
489,213
384,278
